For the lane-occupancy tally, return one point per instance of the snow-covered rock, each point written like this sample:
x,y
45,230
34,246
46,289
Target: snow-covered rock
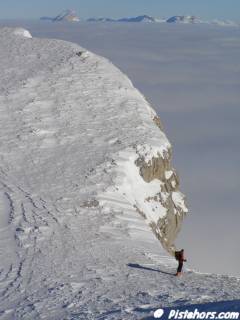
x,y
85,176
22,33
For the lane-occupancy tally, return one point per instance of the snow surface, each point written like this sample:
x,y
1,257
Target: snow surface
x,y
131,190
70,123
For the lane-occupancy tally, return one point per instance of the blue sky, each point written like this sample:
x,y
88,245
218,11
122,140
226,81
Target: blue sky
x,y
210,9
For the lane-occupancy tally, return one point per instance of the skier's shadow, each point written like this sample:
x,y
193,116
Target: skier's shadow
x,y
138,266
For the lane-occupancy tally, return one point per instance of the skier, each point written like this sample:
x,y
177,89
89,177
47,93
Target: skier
x,y
179,255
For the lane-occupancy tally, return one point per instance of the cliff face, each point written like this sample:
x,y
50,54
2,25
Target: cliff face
x,y
146,179
166,228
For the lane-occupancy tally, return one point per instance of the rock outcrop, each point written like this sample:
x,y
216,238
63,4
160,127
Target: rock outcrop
x,y
146,180
166,228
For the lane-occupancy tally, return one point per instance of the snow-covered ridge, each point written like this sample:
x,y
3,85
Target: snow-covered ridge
x,y
142,18
149,191
85,177
71,16
79,146
179,19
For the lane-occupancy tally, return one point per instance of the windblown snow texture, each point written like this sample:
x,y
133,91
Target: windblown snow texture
x,y
75,239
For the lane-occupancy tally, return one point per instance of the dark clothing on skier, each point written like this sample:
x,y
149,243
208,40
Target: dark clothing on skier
x,y
179,255
180,265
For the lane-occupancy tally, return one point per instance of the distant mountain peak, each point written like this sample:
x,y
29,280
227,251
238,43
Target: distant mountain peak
x,y
183,19
141,18
65,15
68,15
71,16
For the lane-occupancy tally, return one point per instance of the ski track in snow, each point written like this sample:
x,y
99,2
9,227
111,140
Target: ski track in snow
x,y
61,256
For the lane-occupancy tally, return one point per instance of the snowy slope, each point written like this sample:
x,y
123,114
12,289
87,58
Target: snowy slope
x,y
80,190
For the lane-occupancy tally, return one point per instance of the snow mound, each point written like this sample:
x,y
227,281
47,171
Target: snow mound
x,y
22,33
